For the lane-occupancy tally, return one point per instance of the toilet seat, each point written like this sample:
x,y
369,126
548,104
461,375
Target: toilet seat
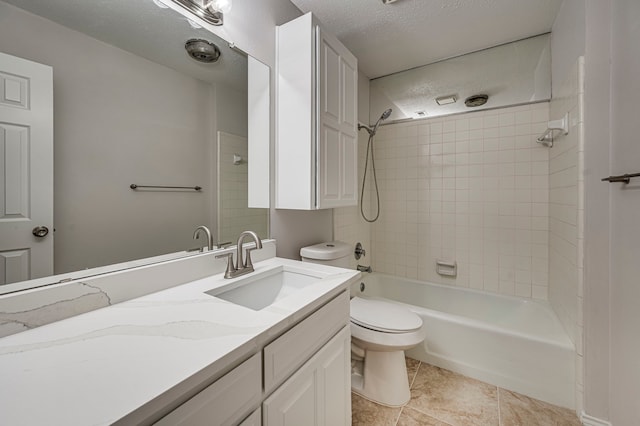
x,y
383,317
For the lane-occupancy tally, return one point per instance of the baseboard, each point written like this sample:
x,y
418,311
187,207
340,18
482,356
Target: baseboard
x,y
588,420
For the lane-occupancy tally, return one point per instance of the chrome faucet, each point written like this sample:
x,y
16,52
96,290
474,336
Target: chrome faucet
x,y
196,235
242,266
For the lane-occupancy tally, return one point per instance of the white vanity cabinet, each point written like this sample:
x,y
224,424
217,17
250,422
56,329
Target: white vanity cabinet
x,y
302,377
227,400
315,359
319,392
317,153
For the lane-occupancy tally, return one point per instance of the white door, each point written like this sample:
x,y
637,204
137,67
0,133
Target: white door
x,y
26,169
625,214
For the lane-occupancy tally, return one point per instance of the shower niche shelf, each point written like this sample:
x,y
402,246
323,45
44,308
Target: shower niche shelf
x,y
317,153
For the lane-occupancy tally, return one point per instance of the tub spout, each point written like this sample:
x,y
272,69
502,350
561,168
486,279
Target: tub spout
x,y
364,268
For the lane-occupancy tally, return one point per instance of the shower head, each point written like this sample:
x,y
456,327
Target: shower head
x,y
384,116
372,131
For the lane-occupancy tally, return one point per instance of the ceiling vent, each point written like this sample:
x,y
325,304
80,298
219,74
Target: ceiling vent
x,y
446,100
202,50
476,100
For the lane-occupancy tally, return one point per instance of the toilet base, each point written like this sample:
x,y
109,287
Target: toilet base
x,y
384,378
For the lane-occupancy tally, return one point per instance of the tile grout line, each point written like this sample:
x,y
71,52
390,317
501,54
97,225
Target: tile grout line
x,y
410,384
499,411
415,408
413,379
399,415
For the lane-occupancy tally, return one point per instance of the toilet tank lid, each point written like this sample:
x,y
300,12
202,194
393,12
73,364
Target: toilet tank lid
x,y
326,251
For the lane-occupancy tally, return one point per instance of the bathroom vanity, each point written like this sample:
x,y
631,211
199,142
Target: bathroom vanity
x,y
271,347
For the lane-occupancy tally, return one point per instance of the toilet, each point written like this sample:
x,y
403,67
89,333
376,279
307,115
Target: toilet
x,y
380,333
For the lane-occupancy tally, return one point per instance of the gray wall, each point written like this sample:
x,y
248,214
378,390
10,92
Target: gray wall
x,y
567,39
119,119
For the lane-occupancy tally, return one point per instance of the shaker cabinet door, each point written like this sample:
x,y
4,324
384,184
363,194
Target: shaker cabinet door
x,y
319,393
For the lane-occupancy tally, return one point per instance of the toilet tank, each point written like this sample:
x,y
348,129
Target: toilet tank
x,y
333,253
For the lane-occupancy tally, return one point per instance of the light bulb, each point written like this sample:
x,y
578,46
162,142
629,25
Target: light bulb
x,y
223,6
193,24
160,4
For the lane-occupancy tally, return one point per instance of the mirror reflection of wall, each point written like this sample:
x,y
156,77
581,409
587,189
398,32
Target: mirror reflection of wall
x,y
510,74
234,216
142,112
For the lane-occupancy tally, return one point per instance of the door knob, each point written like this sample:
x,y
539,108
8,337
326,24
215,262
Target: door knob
x,y
40,231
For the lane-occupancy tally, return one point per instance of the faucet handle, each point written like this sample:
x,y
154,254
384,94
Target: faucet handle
x,y
223,245
247,260
230,268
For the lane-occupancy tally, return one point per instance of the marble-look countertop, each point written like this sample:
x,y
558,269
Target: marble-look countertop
x,y
130,361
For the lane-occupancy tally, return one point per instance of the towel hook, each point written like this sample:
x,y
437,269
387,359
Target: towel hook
x,y
547,137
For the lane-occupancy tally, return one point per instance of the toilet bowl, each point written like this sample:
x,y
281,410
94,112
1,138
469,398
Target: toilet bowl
x,y
380,333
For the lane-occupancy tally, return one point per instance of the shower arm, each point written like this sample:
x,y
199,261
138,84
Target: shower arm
x,y
367,128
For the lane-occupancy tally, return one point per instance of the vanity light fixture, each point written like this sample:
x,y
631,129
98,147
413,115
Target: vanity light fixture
x,y
211,11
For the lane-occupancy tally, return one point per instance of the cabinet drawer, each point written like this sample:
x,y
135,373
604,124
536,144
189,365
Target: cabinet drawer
x,y
224,402
286,354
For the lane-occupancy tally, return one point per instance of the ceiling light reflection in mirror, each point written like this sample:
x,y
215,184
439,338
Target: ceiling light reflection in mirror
x,y
211,11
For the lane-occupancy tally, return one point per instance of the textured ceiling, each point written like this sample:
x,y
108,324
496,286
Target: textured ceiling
x,y
409,33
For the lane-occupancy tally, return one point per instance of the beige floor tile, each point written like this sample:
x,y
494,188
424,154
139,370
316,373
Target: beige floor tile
x,y
367,413
411,417
412,368
517,410
453,398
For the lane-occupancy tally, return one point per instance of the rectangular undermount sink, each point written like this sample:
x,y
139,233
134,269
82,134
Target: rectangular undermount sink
x,y
259,290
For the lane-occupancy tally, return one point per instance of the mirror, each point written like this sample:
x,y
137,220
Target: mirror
x,y
510,74
131,107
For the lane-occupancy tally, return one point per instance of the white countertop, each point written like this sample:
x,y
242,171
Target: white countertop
x,y
145,353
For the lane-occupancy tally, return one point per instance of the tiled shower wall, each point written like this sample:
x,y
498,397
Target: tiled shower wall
x,y
234,216
470,188
348,225
566,214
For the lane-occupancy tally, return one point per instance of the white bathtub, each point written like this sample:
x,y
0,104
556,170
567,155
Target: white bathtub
x,y
514,343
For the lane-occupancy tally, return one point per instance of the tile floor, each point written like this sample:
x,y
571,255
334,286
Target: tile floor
x,y
442,398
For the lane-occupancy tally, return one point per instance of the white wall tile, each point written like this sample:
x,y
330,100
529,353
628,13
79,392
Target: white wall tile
x,y
565,210
480,190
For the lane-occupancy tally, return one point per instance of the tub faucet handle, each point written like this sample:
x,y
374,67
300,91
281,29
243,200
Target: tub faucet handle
x,y
359,251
